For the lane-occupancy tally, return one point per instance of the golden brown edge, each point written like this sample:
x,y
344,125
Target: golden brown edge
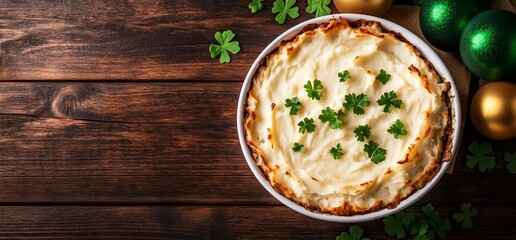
x,y
346,209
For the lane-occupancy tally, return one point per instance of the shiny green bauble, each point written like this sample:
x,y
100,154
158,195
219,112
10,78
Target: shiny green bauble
x,y
442,21
488,45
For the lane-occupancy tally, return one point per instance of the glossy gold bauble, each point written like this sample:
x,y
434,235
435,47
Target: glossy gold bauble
x,y
493,110
369,7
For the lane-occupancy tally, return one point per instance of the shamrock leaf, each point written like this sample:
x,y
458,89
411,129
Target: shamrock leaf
x,y
479,156
511,158
465,215
320,7
256,6
355,233
226,45
283,9
394,225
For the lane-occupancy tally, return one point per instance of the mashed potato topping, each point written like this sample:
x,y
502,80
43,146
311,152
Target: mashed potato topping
x,y
351,184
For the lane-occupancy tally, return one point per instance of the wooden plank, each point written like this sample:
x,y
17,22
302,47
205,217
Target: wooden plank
x,y
155,143
104,40
217,222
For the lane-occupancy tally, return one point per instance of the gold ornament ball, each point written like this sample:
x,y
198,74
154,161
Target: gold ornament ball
x,y
369,7
493,110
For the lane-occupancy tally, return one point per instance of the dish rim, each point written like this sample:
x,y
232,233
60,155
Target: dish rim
x,y
426,51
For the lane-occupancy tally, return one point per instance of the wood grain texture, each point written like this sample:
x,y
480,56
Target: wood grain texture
x,y
217,222
130,40
155,143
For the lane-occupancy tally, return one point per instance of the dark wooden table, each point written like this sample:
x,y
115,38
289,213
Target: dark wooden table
x,y
115,123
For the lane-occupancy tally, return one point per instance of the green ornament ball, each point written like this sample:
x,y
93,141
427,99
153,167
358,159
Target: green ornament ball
x,y
488,45
442,21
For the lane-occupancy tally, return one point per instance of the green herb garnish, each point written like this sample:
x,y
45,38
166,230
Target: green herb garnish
x,y
377,154
226,45
355,233
344,76
336,151
329,115
256,6
320,7
283,9
362,132
465,215
356,102
397,129
307,125
383,77
314,92
298,147
479,156
293,104
511,158
389,99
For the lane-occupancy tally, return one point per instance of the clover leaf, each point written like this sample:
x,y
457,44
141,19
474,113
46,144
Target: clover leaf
x,y
511,158
465,215
320,7
283,9
256,6
226,45
394,225
479,156
355,233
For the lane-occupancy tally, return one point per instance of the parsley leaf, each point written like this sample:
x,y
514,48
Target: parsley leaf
x,y
397,129
298,147
465,215
314,92
356,103
377,154
283,9
344,76
336,151
293,104
479,156
320,7
256,6
226,45
383,77
355,233
362,132
389,99
329,115
511,158
307,125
